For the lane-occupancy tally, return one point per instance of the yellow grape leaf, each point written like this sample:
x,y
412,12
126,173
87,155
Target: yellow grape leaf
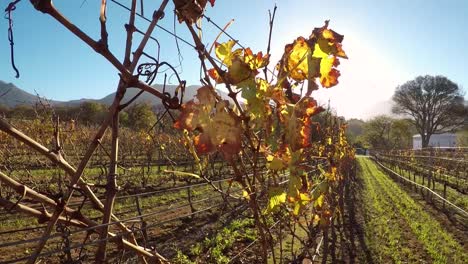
x,y
277,196
254,91
305,198
320,189
297,208
300,203
315,220
245,194
319,201
331,176
327,48
294,185
224,52
296,60
330,42
328,74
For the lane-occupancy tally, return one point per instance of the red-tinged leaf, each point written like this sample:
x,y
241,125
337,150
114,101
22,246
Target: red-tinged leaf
x,y
212,2
255,61
218,128
203,144
299,126
186,117
213,73
328,74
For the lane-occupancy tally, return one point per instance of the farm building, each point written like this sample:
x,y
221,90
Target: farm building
x,y
437,140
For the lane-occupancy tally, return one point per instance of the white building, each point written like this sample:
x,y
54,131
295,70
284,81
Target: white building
x,y
437,140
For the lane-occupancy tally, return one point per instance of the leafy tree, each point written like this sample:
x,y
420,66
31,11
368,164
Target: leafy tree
x,y
92,112
23,112
141,117
354,129
377,132
435,104
384,132
401,133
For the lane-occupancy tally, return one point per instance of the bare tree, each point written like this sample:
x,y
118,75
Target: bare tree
x,y
435,104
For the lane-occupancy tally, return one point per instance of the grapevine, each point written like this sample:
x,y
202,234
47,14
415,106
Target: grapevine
x,y
288,168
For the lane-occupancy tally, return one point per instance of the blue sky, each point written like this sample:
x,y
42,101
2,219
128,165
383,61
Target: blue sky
x,y
388,43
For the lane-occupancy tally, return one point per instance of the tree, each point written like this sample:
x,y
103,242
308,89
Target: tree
x,y
384,132
92,112
377,132
435,104
354,129
401,133
141,117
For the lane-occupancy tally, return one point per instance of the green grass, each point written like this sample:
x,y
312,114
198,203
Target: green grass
x,y
383,234
217,248
391,206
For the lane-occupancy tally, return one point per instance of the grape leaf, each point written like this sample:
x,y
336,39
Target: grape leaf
x,y
224,52
298,130
307,59
328,74
239,71
277,196
275,163
255,61
296,62
190,10
213,73
219,129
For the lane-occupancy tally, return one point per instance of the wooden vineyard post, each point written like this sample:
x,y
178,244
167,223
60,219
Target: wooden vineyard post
x,y
189,196
445,193
143,222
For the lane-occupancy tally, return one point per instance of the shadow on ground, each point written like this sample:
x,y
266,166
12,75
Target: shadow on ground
x,y
345,242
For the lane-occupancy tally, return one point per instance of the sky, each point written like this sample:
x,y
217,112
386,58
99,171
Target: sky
x,y
387,42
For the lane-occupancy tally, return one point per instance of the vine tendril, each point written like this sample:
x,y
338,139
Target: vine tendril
x,y
10,8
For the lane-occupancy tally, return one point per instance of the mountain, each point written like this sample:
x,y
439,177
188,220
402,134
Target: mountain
x,y
11,96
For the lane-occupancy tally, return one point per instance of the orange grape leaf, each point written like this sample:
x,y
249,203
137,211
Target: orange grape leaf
x,y
219,129
213,73
255,61
330,42
299,129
